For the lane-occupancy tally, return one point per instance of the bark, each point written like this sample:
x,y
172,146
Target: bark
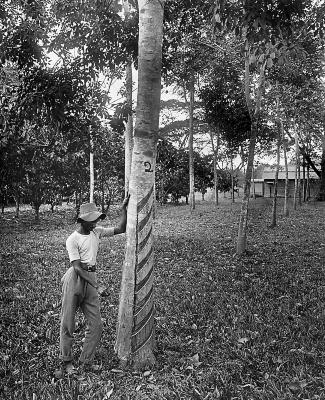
x,y
36,210
190,145
129,101
304,186
321,195
276,175
296,170
308,183
286,183
243,220
135,330
91,172
103,194
129,126
299,180
254,114
253,181
232,181
215,151
17,203
128,138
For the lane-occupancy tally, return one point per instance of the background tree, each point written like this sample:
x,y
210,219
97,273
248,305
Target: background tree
x,y
265,29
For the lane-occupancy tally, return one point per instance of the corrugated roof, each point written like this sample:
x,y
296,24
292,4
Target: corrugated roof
x,y
270,173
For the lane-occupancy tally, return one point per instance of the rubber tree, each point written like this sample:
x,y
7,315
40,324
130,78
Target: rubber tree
x,y
128,135
276,174
286,183
135,330
215,151
254,112
190,144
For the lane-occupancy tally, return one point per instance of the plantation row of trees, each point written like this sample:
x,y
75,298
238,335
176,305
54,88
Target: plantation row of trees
x,y
64,110
250,76
39,174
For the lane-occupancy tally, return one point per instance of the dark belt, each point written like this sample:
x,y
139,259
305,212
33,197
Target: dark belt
x,y
89,268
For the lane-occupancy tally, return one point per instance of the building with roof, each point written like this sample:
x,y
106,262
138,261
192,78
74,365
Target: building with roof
x,y
265,186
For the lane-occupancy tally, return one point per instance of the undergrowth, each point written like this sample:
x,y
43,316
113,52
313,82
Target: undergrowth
x,y
227,327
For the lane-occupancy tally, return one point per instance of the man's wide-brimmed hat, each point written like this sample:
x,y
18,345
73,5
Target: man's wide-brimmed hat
x,y
89,212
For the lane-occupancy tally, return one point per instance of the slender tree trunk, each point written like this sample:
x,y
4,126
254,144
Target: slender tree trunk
x,y
135,330
299,180
129,126
103,193
232,180
190,144
308,182
286,183
17,203
243,219
36,210
91,171
215,151
296,170
276,175
304,186
242,229
253,181
3,204
321,195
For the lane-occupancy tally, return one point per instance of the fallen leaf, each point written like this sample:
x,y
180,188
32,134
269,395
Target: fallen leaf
x,y
243,340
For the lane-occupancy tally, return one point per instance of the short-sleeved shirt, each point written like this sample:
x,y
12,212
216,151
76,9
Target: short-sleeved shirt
x,y
85,247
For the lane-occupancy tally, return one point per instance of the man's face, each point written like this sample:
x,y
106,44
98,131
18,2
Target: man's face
x,y
88,226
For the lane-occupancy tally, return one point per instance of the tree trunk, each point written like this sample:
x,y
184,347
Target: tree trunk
x,y
254,114
242,228
190,144
253,181
103,193
299,180
296,170
17,203
308,182
91,171
129,126
304,186
286,183
128,138
135,330
36,209
232,180
276,175
321,195
215,172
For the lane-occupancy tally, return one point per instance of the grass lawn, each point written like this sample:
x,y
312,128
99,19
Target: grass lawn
x,y
227,327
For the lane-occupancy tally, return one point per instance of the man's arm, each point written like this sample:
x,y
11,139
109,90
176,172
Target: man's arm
x,y
121,228
77,266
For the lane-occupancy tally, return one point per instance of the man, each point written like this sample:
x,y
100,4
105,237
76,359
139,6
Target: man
x,y
80,287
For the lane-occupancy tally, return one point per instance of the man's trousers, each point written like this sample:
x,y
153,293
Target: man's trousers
x,y
76,292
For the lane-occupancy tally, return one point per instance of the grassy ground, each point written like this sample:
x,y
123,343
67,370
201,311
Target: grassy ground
x,y
226,327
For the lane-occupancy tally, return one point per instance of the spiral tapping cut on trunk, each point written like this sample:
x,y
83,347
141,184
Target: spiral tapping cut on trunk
x,y
143,320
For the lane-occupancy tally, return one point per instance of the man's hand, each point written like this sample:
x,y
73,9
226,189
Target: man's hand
x,y
102,291
83,274
122,225
126,201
